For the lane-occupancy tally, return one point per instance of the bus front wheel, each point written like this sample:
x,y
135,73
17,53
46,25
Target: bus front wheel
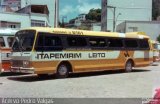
x,y
129,66
62,71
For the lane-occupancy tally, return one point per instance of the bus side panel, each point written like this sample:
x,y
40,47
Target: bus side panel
x,y
114,60
89,61
142,58
113,64
5,55
45,67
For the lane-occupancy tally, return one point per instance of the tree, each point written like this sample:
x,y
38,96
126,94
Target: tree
x,y
158,38
94,15
155,9
61,24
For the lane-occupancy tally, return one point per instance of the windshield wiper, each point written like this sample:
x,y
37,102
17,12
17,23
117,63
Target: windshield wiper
x,y
19,44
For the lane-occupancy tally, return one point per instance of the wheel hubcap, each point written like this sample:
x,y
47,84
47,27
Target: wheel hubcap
x,y
62,70
129,66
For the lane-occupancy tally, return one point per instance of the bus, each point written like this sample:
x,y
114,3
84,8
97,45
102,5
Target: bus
x,y
60,51
156,50
6,40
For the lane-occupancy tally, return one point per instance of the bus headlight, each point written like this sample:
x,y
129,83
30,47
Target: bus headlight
x,y
26,64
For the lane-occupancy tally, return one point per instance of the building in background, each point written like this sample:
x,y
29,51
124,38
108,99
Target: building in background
x,y
125,10
17,14
5,8
152,28
13,4
81,18
77,23
96,27
29,16
18,4
50,4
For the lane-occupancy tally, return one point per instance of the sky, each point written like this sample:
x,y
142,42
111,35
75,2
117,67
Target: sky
x,y
71,8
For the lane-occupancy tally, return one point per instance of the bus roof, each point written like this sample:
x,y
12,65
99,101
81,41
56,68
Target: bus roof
x,y
139,35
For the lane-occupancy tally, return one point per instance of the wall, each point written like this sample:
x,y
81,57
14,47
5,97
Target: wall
x,y
131,10
24,19
151,28
96,26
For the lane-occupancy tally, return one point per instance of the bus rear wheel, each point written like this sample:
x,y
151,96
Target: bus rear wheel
x,y
62,71
129,66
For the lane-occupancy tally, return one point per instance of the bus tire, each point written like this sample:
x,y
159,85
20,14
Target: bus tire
x,y
62,71
129,66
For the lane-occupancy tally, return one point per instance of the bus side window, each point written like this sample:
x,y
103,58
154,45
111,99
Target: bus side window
x,y
40,42
97,42
115,43
76,41
143,44
131,43
2,43
51,41
48,42
10,41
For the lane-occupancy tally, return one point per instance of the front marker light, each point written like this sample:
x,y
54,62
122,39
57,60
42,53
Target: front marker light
x,y
11,62
25,64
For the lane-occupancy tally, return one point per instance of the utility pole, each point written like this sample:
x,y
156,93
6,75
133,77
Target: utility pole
x,y
114,16
56,13
104,15
63,22
116,19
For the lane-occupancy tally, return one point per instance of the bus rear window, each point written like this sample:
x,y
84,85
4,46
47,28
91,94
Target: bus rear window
x,y
144,44
10,41
2,43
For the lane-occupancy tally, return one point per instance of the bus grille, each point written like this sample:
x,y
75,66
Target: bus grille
x,y
17,63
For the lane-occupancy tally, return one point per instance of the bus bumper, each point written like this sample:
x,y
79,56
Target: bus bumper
x,y
22,70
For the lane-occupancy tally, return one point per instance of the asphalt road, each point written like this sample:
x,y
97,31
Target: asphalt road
x,y
140,83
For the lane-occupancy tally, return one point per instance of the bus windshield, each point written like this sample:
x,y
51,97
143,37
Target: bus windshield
x,y
24,40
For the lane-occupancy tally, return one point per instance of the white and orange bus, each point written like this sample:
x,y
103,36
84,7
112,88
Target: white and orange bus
x,y
156,50
60,51
6,40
